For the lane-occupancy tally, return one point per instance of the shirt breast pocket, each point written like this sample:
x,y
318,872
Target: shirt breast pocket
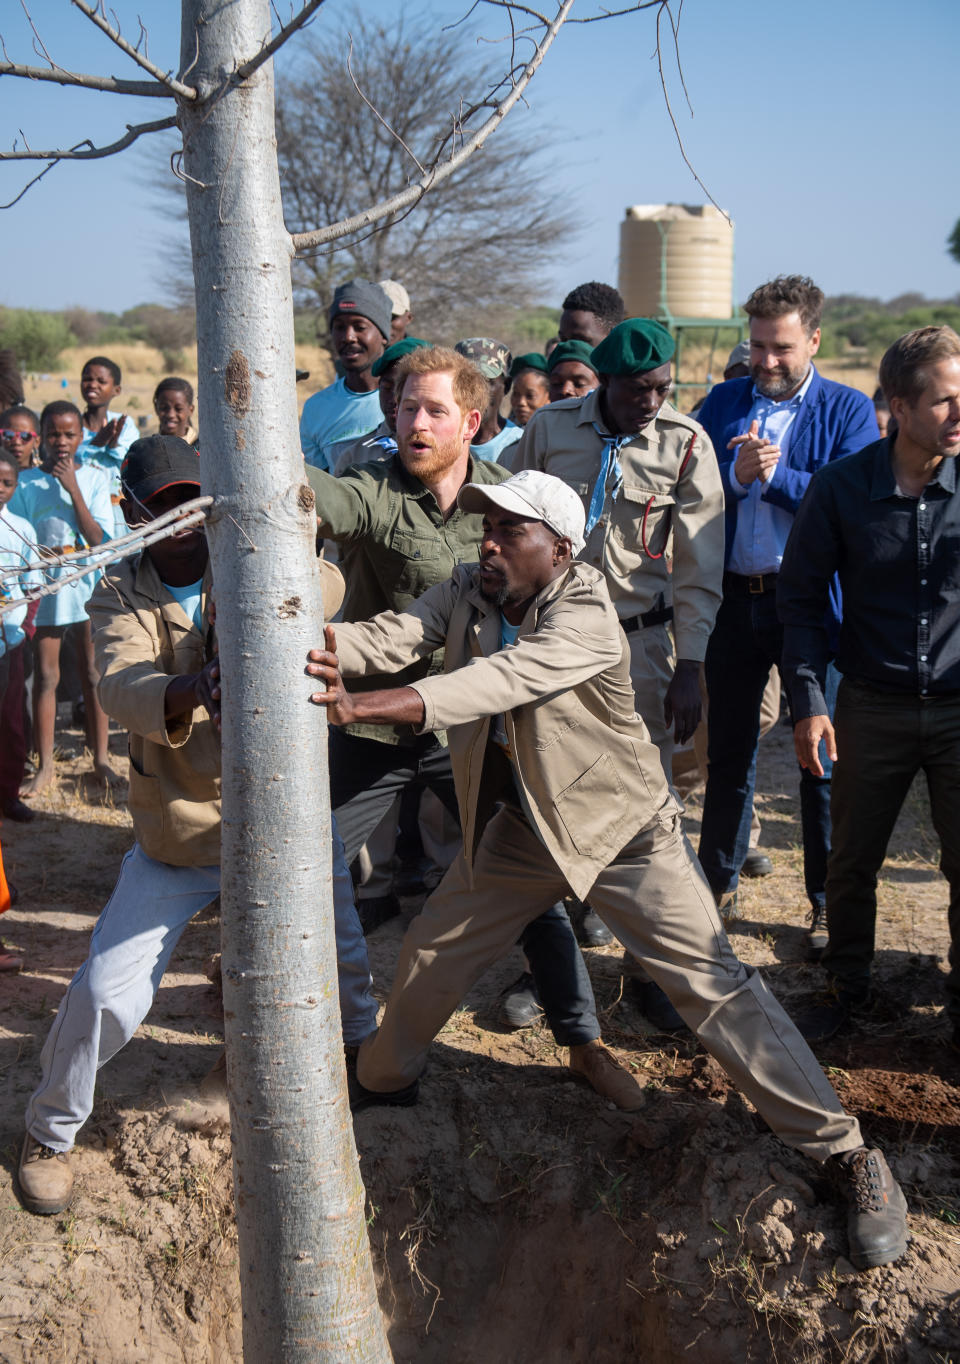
x,y
642,520
411,562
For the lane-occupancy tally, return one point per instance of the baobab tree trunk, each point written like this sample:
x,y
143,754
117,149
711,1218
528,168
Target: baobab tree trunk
x,y
306,1279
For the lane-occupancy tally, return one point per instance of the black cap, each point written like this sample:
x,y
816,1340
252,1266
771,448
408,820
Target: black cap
x,y
158,462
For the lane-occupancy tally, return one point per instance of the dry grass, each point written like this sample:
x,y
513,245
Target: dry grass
x,y
143,368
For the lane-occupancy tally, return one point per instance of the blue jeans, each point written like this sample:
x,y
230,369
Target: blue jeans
x,y
746,642
130,949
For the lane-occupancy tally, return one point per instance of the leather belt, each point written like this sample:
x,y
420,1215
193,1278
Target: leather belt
x,y
658,616
753,584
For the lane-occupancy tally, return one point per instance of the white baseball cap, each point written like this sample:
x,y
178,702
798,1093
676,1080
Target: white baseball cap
x,y
398,296
531,493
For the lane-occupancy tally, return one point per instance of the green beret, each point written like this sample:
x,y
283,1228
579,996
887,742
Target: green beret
x,y
633,347
580,351
393,353
532,360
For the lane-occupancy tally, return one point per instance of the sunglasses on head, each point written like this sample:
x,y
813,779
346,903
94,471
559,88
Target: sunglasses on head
x,y
21,436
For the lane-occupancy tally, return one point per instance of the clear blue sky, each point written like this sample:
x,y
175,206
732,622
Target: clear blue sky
x,y
827,130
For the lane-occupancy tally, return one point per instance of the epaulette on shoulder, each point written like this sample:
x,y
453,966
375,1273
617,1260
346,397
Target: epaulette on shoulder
x,y
668,413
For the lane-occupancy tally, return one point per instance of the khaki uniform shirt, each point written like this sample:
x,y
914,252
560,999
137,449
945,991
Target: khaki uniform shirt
x,y
630,542
587,775
394,545
142,638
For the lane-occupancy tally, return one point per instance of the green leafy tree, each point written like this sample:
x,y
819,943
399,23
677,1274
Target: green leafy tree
x,y
953,242
35,338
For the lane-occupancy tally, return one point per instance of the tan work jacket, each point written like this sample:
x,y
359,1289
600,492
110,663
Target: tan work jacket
x,y
631,541
585,770
141,639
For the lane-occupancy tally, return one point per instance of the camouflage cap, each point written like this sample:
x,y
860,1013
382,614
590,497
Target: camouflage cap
x,y
492,358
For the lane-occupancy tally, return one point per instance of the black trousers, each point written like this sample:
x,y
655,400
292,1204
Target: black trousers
x,y
365,778
883,740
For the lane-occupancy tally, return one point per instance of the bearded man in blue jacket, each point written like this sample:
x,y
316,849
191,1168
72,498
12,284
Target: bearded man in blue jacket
x,y
771,432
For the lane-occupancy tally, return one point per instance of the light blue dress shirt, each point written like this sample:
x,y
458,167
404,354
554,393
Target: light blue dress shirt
x,y
762,529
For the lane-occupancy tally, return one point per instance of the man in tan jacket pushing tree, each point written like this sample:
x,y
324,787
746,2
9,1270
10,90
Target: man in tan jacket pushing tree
x,y
559,785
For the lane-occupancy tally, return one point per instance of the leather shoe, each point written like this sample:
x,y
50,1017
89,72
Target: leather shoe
x,y
376,911
19,811
520,1003
877,1218
589,929
655,1006
45,1177
829,1015
604,1073
756,863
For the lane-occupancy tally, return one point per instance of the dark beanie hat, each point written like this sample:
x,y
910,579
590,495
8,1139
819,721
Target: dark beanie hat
x,y
363,299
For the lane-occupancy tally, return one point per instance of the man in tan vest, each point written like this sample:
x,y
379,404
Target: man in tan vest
x,y
559,785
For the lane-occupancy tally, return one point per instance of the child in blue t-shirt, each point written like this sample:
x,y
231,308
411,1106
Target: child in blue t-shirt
x,y
68,506
18,550
107,436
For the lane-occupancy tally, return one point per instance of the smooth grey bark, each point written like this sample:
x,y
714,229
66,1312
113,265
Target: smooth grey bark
x,y
307,1283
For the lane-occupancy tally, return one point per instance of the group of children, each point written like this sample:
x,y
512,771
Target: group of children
x,y
60,495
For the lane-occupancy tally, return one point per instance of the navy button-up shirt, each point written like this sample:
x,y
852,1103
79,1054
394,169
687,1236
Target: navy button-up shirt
x,y
898,560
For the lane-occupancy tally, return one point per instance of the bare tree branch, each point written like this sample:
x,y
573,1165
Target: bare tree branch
x,y
265,53
666,99
86,151
175,86
376,112
61,76
28,186
305,241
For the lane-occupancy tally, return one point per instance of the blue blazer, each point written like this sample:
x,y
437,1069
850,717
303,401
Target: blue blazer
x,y
834,420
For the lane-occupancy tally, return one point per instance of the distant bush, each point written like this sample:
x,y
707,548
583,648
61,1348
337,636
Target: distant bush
x,y
167,329
35,338
85,324
870,325
305,323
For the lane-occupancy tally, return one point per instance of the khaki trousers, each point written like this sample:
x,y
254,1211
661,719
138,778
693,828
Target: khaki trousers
x,y
656,900
652,665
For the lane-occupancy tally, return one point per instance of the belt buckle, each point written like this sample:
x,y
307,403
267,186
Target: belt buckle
x,y
755,584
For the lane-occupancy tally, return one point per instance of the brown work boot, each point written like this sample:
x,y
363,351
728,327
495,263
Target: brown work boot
x,y
46,1180
604,1073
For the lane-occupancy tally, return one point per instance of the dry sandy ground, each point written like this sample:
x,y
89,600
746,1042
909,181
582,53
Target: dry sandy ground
x,y
514,1217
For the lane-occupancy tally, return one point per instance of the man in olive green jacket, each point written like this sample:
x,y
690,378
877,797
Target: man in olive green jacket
x,y
538,702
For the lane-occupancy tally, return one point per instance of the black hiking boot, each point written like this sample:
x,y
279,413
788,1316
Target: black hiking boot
x,y
877,1217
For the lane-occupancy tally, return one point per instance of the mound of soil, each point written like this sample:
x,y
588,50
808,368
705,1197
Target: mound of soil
x,y
513,1215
